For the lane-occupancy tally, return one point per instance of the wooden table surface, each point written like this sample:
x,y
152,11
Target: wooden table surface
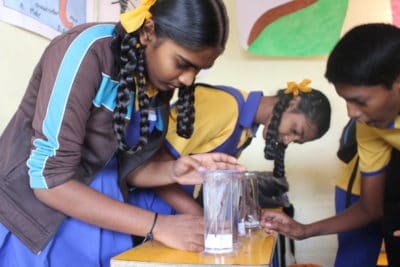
x,y
255,250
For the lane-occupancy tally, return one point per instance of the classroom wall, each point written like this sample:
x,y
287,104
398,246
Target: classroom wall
x,y
311,168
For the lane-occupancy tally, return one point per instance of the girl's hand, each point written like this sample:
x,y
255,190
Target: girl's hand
x,y
275,221
184,232
396,233
185,170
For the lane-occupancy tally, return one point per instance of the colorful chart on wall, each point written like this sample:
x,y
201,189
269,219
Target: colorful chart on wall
x,y
46,17
290,27
396,12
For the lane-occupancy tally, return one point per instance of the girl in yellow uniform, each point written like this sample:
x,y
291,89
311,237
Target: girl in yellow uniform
x,y
296,114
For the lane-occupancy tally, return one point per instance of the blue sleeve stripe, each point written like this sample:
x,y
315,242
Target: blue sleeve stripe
x,y
107,94
45,148
246,117
171,149
375,172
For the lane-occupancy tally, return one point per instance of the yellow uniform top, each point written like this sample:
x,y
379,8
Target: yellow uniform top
x,y
344,178
375,146
223,121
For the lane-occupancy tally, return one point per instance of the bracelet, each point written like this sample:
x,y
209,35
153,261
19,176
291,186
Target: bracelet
x,y
149,235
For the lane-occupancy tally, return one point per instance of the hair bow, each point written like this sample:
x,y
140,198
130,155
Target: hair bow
x,y
133,19
295,88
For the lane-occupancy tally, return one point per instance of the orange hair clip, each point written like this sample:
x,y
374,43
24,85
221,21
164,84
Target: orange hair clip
x,y
133,19
294,88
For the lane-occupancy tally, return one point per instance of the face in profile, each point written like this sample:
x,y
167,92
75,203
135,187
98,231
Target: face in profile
x,y
294,127
170,65
375,106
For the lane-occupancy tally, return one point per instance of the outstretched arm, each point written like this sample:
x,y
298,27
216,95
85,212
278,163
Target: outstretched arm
x,y
161,171
367,210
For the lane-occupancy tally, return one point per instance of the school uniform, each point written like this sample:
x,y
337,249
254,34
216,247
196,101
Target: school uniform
x,y
63,130
359,247
224,122
376,148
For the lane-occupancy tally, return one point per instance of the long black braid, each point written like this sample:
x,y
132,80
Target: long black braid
x,y
131,60
273,149
185,108
195,25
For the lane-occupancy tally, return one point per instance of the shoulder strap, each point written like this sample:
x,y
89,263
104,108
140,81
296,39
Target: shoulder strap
x,y
348,142
128,163
351,183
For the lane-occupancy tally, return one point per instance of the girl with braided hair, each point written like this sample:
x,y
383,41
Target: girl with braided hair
x,y
296,114
95,110
303,100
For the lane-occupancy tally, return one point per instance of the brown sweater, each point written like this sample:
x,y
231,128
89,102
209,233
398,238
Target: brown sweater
x,y
62,130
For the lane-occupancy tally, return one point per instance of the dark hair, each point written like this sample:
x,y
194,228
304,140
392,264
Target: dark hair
x,y
316,108
368,54
192,24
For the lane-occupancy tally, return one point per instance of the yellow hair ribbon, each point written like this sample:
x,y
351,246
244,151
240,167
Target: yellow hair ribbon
x,y
133,19
295,88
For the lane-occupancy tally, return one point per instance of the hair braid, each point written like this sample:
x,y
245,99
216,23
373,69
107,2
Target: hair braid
x,y
279,162
185,108
273,149
132,61
123,95
144,104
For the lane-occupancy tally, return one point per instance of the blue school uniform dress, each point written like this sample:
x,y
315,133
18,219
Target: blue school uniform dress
x,y
359,247
77,243
76,116
223,123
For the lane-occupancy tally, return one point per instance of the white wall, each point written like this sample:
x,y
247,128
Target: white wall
x,y
311,168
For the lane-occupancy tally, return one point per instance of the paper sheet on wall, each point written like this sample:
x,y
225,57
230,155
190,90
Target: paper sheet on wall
x,y
290,27
48,18
110,12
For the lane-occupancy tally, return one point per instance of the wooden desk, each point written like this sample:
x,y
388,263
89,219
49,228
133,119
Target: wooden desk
x,y
256,250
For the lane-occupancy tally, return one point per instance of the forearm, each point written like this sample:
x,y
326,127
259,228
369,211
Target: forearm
x,y
152,174
177,198
368,209
184,170
81,202
352,218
